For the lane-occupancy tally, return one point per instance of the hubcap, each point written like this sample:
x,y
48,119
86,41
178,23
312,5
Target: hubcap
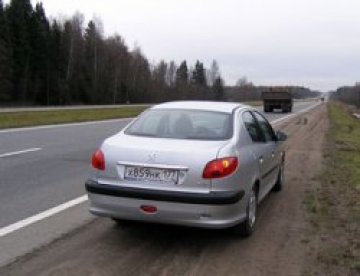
x,y
252,209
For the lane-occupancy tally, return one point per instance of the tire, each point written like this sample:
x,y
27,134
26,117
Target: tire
x,y
247,227
280,181
121,222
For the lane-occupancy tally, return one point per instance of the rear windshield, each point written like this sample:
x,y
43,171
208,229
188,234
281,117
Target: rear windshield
x,y
182,124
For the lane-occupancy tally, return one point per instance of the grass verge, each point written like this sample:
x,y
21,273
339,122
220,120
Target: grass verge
x,y
34,118
334,206
253,103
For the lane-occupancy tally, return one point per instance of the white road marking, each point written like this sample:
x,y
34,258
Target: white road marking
x,y
43,215
19,152
55,210
11,130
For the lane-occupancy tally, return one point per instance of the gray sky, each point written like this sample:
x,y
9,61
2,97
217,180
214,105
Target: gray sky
x,y
314,43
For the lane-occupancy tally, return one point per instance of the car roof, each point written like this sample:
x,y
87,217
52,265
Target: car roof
x,y
226,107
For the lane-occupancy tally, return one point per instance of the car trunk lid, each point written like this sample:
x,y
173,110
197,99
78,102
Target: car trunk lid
x,y
187,158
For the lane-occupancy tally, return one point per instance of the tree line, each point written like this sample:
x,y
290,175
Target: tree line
x,y
348,94
59,62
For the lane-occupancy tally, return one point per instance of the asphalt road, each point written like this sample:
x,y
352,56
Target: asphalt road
x,y
41,168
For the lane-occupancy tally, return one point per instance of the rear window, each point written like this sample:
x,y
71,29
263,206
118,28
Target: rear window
x,y
182,124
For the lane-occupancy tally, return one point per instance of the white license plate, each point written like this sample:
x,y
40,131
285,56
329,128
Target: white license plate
x,y
151,174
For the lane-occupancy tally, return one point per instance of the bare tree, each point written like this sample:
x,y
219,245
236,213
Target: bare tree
x,y
171,74
214,73
243,81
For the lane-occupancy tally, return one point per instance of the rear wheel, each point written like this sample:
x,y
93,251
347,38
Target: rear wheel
x,y
247,227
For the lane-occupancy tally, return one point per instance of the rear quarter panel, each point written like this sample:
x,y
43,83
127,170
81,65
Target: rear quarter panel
x,y
248,171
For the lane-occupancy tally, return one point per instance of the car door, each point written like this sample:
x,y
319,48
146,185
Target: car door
x,y
260,148
272,151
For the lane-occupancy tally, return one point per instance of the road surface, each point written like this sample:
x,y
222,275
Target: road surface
x,y
42,168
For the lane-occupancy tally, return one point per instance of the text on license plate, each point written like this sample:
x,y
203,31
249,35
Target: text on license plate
x,y
151,174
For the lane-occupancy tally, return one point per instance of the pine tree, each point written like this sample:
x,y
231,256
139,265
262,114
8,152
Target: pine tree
x,y
117,60
57,64
182,74
19,14
218,89
39,35
198,75
5,58
91,63
73,43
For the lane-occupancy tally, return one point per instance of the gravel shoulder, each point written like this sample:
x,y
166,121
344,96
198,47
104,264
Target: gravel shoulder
x,y
278,247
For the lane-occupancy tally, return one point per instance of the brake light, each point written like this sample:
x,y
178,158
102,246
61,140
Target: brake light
x,y
149,209
98,160
219,168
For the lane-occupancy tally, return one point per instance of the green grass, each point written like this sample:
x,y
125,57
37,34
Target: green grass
x,y
34,118
334,206
345,131
253,103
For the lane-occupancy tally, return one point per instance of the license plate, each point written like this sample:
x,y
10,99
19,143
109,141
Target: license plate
x,y
151,174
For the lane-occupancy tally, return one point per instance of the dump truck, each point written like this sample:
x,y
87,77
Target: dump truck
x,y
277,98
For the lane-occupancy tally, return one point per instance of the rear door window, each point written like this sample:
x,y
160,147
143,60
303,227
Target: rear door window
x,y
265,126
252,127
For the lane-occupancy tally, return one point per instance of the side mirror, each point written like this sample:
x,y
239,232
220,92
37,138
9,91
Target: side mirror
x,y
281,136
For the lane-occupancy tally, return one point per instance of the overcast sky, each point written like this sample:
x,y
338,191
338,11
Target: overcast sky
x,y
314,43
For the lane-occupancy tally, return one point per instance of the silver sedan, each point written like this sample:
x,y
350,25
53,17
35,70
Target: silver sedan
x,y
202,164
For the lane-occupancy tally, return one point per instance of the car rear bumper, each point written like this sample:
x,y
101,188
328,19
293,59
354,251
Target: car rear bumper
x,y
212,198
212,210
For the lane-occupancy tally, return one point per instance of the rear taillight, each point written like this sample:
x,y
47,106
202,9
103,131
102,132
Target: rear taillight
x,y
220,167
98,160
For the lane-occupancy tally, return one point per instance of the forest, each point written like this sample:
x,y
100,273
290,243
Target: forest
x,y
348,94
59,62
71,62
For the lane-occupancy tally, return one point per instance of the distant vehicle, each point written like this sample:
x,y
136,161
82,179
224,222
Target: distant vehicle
x,y
201,164
277,98
322,99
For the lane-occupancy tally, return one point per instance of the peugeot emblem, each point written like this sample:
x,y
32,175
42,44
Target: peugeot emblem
x,y
152,157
